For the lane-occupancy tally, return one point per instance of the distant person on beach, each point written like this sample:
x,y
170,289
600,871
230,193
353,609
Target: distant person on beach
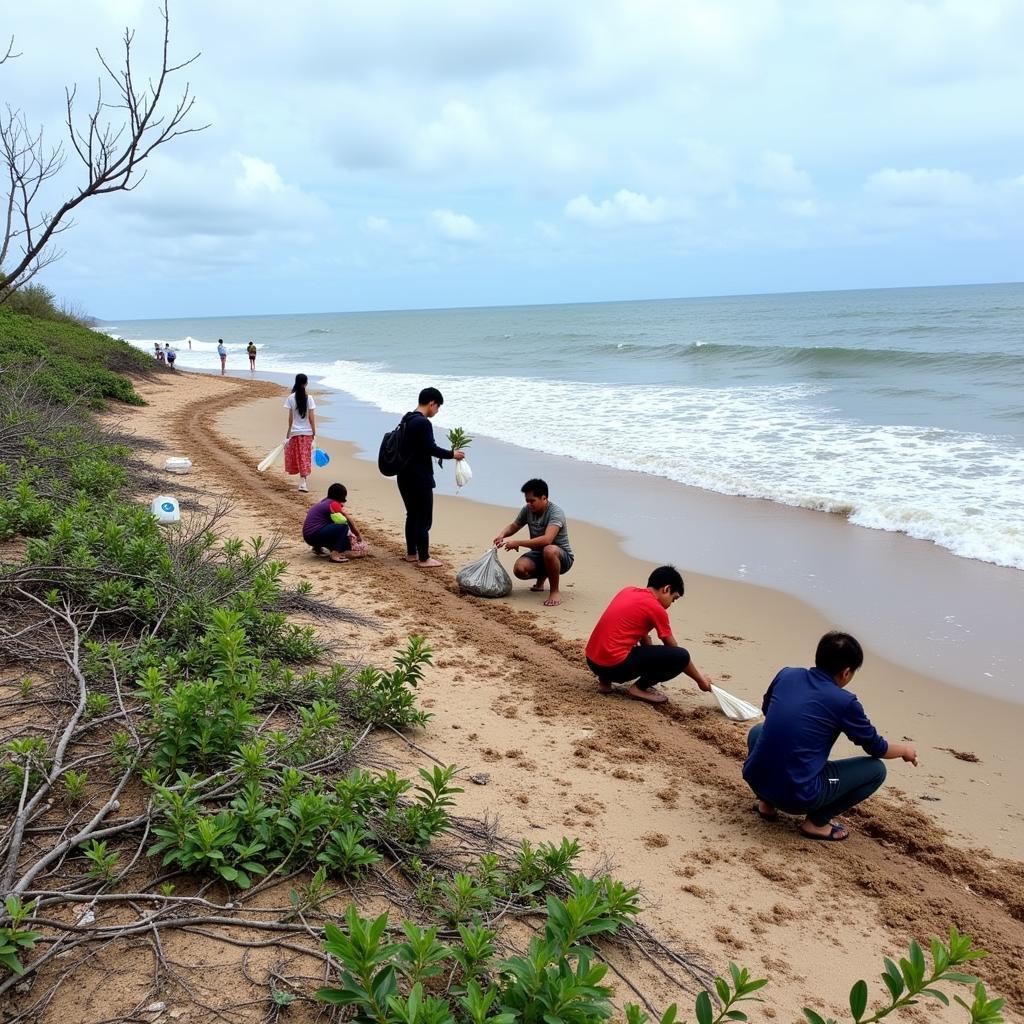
x,y
328,525
158,352
620,649
251,352
805,710
416,477
547,554
298,441
223,353
190,343
170,355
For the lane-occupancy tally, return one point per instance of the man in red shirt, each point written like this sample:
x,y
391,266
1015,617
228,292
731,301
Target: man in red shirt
x,y
620,648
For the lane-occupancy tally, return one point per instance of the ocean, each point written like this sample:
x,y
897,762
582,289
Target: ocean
x,y
900,410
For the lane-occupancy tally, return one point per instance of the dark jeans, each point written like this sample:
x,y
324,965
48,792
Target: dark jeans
x,y
647,664
419,516
847,782
334,537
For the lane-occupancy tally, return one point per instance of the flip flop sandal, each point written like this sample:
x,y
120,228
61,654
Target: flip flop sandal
x,y
653,697
839,834
337,561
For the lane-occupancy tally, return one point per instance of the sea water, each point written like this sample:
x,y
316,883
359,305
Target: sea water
x,y
900,409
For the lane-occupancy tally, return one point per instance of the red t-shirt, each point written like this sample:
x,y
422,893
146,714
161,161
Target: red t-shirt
x,y
633,613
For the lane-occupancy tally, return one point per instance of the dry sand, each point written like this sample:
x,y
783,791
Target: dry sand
x,y
658,792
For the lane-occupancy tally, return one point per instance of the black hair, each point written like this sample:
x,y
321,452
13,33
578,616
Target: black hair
x,y
428,395
337,492
299,391
537,487
837,651
666,576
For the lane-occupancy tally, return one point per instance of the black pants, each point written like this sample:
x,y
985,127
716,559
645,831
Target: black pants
x,y
419,516
647,664
334,537
846,783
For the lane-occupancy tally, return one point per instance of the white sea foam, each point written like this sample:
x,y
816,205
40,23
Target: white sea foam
x,y
962,491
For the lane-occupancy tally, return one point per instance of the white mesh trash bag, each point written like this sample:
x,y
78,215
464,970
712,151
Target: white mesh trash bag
x,y
463,474
270,459
486,577
733,708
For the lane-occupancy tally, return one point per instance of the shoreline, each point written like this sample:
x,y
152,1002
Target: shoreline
x,y
654,792
739,632
922,607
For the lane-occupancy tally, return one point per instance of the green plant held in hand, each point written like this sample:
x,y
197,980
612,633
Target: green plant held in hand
x,y
14,939
459,439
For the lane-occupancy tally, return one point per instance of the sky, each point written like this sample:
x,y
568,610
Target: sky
x,y
408,155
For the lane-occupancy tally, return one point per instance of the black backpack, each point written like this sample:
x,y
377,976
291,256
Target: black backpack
x,y
391,458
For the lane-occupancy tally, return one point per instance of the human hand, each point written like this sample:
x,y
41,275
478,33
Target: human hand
x,y
498,540
458,455
511,545
704,683
909,754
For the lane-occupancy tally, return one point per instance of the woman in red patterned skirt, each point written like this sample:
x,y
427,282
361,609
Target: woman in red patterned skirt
x,y
301,434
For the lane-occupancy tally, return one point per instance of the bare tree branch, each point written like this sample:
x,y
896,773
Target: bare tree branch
x,y
111,151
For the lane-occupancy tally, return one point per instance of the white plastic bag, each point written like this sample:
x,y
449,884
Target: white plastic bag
x,y
733,708
177,464
463,474
270,459
486,577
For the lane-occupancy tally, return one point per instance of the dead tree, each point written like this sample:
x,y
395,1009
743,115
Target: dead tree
x,y
112,142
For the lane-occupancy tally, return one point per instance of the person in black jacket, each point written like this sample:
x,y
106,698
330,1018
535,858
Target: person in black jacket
x,y
416,477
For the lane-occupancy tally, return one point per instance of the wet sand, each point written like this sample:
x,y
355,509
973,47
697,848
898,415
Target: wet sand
x,y
657,791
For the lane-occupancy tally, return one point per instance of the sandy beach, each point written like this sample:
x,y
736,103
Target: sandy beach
x,y
658,793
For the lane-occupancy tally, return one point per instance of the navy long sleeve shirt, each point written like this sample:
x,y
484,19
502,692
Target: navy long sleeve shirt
x,y
805,710
419,448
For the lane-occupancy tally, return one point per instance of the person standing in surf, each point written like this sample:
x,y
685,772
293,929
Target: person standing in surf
x,y
298,441
223,353
250,351
416,477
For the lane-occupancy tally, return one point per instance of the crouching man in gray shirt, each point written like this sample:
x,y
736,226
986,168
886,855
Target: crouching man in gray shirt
x,y
548,555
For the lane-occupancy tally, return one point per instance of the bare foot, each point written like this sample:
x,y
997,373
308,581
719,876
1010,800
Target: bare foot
x,y
604,687
430,563
765,811
337,556
652,696
554,600
834,831
410,558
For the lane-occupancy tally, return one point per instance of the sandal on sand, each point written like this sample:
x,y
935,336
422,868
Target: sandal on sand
x,y
340,558
837,835
649,696
318,552
774,816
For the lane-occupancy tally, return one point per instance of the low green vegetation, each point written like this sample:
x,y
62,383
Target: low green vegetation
x,y
71,361
184,681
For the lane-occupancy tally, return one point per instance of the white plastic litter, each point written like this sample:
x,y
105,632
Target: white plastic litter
x,y
270,459
166,509
733,708
463,474
175,464
486,577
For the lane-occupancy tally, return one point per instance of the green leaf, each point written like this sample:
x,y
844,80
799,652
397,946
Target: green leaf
x,y
705,1015
812,1017
941,996
722,989
858,999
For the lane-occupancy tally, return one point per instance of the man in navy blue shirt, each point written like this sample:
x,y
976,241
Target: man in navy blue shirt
x,y
805,710
416,477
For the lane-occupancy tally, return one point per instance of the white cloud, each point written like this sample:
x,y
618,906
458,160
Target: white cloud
x,y
777,172
456,227
923,186
623,208
377,225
